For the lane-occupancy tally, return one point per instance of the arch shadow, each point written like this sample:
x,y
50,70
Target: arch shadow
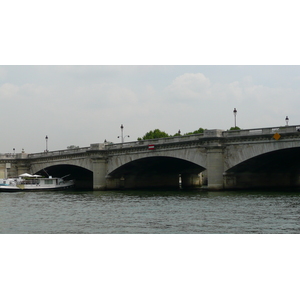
x,y
83,177
158,171
279,168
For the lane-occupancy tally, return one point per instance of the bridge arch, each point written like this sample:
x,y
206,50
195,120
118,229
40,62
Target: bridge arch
x,y
83,177
194,155
156,171
277,168
235,154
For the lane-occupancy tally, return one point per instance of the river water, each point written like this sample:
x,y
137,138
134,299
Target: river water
x,y
150,212
184,244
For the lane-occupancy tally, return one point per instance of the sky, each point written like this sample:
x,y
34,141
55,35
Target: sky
x,y
76,73
84,104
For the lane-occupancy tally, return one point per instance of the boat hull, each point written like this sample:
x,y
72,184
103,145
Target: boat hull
x,y
32,183
32,189
24,188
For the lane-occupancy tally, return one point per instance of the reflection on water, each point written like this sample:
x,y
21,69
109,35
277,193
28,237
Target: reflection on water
x,y
157,211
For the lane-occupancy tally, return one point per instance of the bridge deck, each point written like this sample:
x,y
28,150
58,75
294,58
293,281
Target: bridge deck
x,y
169,140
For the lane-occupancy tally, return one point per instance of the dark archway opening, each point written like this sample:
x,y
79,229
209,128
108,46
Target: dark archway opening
x,y
83,177
156,172
277,169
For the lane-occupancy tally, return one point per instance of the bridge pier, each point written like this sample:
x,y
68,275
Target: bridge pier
x,y
215,168
191,180
13,168
99,173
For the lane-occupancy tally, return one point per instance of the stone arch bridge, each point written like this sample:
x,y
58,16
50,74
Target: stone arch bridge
x,y
217,159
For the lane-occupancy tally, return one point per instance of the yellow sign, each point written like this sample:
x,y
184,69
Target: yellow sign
x,y
276,136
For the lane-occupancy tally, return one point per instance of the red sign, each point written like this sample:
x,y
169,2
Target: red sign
x,y
151,147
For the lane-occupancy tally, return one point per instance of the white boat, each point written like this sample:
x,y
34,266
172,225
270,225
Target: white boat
x,y
28,182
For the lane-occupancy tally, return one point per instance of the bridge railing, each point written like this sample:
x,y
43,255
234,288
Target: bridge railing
x,y
168,140
7,155
58,152
260,131
207,133
160,141
13,155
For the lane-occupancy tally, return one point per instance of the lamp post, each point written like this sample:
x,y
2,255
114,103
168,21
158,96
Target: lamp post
x,y
46,138
287,121
235,113
122,136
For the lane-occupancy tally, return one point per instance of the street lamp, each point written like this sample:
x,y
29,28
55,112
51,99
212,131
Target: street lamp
x,y
287,121
122,136
46,143
235,113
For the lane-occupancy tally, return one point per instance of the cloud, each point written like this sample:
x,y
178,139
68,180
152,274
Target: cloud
x,y
8,91
211,102
189,87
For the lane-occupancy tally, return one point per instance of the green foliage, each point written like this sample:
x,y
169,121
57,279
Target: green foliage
x,y
200,130
177,134
157,134
154,134
235,128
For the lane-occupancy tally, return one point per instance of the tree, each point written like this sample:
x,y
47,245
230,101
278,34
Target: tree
x,y
157,134
154,134
235,128
200,130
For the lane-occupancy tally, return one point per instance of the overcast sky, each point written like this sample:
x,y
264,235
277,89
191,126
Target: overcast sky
x,y
80,105
76,74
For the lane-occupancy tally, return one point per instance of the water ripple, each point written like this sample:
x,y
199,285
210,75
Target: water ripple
x,y
150,212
